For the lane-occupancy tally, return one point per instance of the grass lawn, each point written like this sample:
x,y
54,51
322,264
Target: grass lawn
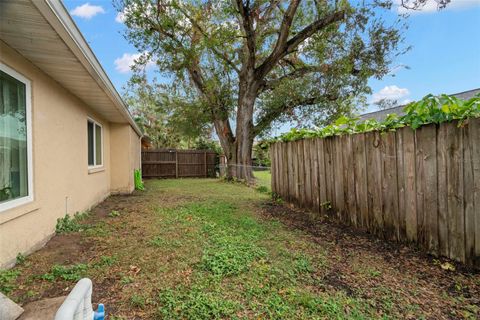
x,y
205,249
264,179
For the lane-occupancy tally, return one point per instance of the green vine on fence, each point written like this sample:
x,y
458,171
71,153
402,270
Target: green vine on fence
x,y
431,109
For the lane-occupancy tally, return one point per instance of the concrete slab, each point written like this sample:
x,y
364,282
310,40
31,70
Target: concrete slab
x,y
42,309
9,310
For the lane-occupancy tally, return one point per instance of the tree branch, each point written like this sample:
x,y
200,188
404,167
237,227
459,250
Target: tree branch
x,y
247,25
292,44
297,73
270,116
285,27
219,54
310,30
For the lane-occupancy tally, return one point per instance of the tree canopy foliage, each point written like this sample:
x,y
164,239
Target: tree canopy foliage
x,y
249,65
167,121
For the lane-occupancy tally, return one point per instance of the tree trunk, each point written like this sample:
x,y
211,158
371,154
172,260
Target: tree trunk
x,y
238,149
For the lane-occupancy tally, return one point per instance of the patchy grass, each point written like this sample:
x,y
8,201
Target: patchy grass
x,y
205,249
69,224
264,179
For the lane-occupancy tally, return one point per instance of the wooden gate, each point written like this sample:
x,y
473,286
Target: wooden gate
x,y
172,163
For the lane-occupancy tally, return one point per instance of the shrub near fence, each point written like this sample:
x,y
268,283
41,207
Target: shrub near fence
x,y
420,186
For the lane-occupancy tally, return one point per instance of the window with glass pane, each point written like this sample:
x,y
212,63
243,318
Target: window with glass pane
x,y
13,139
98,145
94,137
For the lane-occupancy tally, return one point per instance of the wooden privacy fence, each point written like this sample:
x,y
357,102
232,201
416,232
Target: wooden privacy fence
x,y
420,186
172,163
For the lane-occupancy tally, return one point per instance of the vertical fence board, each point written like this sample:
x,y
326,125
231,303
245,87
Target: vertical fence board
x,y
430,186
315,173
389,185
286,172
474,132
301,173
307,181
345,170
375,160
349,174
442,150
420,177
361,197
295,171
410,184
329,174
292,190
339,185
282,169
455,193
402,232
322,175
469,193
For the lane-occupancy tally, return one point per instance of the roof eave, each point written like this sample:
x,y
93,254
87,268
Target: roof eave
x,y
59,18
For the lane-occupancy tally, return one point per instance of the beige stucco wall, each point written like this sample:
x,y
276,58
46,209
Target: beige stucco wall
x,y
61,178
125,157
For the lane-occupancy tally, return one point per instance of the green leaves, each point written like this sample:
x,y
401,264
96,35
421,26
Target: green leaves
x,y
431,109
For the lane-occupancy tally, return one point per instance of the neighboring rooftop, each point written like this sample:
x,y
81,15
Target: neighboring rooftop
x,y
382,114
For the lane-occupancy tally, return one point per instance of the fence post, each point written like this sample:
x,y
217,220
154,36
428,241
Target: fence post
x,y
205,158
176,163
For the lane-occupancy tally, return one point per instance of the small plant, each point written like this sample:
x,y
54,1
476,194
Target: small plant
x,y
138,301
106,261
69,224
114,213
262,189
126,280
277,198
99,229
326,205
195,303
67,273
7,279
229,256
137,175
20,258
303,265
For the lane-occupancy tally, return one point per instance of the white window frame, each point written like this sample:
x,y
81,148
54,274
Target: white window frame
x,y
10,204
95,166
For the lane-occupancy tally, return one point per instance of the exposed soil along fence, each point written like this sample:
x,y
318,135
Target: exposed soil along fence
x,y
172,163
420,186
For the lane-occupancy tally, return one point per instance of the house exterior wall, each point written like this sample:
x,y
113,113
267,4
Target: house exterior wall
x,y
125,157
62,182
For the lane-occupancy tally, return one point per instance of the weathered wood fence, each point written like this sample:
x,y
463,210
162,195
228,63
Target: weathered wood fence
x,y
172,163
420,186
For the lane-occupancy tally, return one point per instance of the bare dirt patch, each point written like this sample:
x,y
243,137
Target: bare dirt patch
x,y
366,266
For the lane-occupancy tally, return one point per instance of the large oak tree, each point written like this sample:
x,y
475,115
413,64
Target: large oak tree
x,y
251,64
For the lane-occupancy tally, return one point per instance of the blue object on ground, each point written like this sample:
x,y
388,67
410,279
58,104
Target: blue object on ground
x,y
100,313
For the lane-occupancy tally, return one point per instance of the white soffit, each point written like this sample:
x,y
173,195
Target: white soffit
x,y
44,33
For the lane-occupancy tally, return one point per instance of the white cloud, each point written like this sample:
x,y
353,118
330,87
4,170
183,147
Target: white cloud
x,y
125,63
432,6
120,18
87,11
390,93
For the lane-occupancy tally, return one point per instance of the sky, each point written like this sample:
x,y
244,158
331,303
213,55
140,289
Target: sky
x,y
445,54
